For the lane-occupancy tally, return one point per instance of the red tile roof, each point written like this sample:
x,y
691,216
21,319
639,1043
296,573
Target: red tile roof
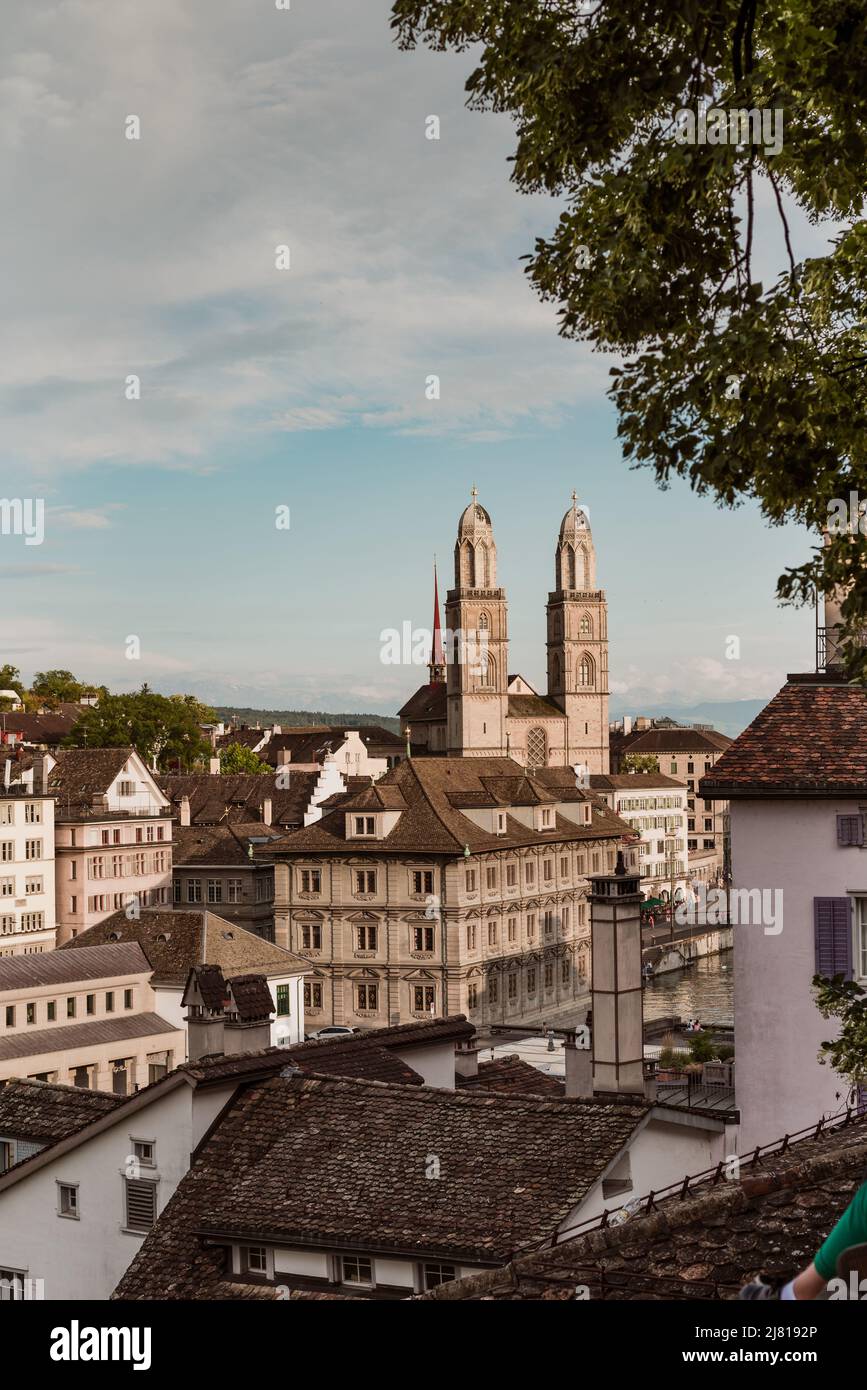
x,y
811,739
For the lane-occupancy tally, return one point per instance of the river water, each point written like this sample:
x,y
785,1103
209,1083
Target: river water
x,y
705,991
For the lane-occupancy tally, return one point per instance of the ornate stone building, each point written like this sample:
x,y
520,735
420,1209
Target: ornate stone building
x,y
472,707
451,885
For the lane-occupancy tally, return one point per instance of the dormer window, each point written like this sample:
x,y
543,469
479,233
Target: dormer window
x,y
364,825
547,818
501,822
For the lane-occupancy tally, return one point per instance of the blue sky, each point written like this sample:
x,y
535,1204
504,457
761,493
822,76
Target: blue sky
x,y
306,388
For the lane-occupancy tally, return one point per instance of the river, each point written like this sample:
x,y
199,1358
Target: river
x,y
704,990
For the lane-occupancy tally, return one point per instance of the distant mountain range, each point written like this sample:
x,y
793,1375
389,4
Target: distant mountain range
x,y
728,716
287,717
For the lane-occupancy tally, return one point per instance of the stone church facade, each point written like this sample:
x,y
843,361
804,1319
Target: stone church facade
x,y
472,707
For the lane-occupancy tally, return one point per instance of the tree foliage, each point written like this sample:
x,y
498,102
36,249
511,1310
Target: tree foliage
x,y
847,1053
653,254
163,729
236,757
641,762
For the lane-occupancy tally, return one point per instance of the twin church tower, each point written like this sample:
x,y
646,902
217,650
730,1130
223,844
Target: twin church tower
x,y
472,706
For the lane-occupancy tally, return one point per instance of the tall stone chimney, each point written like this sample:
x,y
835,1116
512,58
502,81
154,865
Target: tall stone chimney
x,y
618,1014
205,998
467,1058
249,1010
267,810
185,810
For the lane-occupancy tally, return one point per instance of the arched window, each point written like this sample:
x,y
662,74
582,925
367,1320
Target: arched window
x,y
570,568
487,671
558,626
585,627
481,577
555,672
484,622
537,748
585,671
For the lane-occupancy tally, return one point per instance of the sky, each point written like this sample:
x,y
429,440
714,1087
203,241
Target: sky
x,y
300,393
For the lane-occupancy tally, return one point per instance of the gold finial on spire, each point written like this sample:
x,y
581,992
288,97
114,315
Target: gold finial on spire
x,y
474,492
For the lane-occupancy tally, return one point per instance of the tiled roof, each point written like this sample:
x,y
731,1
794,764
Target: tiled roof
x,y
632,781
307,743
358,1152
43,1112
533,707
512,1076
90,962
811,739
211,986
430,702
433,790
82,773
40,728
176,941
73,1036
671,741
226,798
221,844
708,1245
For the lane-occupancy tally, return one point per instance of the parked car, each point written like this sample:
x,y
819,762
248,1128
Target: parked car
x,y
334,1030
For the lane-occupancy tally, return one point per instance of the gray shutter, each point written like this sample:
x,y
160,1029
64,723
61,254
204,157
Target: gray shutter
x,y
850,830
832,929
141,1204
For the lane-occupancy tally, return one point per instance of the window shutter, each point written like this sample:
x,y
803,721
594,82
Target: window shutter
x,y
141,1204
850,830
832,926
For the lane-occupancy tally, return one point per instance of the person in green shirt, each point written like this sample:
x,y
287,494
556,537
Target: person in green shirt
x,y
850,1230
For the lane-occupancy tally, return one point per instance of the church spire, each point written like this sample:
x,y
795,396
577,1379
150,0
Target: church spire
x,y
437,663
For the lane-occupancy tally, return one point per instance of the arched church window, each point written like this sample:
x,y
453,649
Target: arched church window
x,y
585,627
481,577
585,671
537,748
570,567
471,566
555,672
558,625
484,622
487,671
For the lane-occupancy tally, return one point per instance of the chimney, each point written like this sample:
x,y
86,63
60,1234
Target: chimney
x,y
205,999
618,1013
185,810
267,810
249,1011
579,1067
467,1058
38,774
214,766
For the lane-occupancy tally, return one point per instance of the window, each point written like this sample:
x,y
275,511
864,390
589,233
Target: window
x,y
529,872
70,1007
51,1011
690,767
215,890
7,851
423,998
549,976
585,671
194,890
141,1203
143,1152
470,880
492,933
255,1259
472,996
234,890
311,936
366,997
311,881
537,748
565,972
365,880
546,818
434,1274
493,990
355,1269
90,1004
531,980
511,875
512,928
501,822
176,890
32,849
67,1199
109,1002
127,999
312,995
365,938
512,982
471,936
548,870
126,788
7,888
32,813
31,1013
564,868
422,881
365,825
531,925
861,938
423,938
490,879
33,885
283,1009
